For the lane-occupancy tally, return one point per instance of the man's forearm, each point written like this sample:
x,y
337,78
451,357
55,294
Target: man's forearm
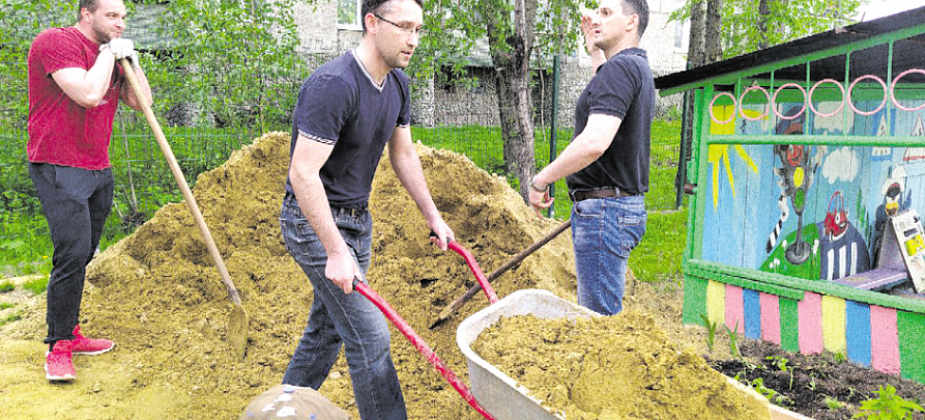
x,y
408,169
574,158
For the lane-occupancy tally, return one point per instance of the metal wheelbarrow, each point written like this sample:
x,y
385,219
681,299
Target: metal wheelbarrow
x,y
500,394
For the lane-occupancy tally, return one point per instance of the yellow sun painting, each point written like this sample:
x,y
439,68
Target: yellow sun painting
x,y
718,154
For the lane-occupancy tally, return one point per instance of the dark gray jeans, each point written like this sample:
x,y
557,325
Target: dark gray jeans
x,y
337,319
76,203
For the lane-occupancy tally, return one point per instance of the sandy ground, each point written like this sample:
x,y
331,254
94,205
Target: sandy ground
x,y
158,295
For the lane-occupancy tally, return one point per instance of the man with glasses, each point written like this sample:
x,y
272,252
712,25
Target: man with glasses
x,y
607,162
347,111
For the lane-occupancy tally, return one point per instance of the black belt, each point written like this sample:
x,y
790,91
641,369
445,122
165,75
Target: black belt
x,y
580,195
353,210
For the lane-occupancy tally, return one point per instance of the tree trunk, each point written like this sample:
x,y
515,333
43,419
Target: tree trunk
x,y
510,56
695,51
714,29
764,13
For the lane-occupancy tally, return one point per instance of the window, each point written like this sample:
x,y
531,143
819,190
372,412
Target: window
x,y
682,35
348,14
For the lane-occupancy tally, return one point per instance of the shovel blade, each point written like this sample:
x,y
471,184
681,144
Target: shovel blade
x,y
237,331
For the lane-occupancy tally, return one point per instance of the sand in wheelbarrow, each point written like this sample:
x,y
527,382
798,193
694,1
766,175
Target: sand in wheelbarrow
x,y
159,296
608,368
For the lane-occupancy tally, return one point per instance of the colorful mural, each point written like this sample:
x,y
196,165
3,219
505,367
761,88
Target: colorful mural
x,y
810,219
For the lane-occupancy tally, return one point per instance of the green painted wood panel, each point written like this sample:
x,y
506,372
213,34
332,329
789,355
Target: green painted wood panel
x,y
911,329
695,300
789,325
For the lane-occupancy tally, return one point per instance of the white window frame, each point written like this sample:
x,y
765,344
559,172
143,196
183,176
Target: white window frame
x,y
359,23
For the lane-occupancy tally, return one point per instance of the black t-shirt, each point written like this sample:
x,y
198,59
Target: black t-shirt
x,y
623,87
341,105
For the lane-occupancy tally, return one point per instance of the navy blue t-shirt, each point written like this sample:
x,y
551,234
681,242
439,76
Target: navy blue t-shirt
x,y
341,105
624,88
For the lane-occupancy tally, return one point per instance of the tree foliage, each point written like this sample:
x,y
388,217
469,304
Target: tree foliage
x,y
748,28
227,62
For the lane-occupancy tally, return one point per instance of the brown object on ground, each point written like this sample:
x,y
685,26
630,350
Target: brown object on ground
x,y
608,368
451,308
237,326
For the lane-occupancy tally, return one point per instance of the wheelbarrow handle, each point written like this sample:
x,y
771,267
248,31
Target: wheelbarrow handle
x,y
420,345
474,266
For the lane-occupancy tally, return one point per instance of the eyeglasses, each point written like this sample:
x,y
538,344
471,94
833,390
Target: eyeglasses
x,y
420,31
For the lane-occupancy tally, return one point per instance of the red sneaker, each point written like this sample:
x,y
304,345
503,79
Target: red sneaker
x,y
58,363
89,346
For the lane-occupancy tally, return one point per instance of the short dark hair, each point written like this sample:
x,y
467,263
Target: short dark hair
x,y
90,5
641,9
374,6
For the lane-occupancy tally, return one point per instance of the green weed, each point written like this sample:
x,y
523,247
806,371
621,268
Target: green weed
x,y
6,286
6,305
772,395
733,341
10,318
780,362
832,403
711,331
37,286
887,406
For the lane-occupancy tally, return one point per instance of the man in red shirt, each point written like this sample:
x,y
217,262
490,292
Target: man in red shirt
x,y
75,84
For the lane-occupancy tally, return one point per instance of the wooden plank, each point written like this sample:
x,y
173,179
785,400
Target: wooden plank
x,y
810,322
735,309
833,324
752,307
695,300
770,318
789,325
885,347
911,330
857,332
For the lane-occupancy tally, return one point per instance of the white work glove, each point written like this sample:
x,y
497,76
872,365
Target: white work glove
x,y
122,48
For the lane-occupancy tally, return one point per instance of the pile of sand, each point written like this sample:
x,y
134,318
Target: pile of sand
x,y
613,368
159,296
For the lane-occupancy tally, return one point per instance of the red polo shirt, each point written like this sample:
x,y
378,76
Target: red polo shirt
x,y
61,132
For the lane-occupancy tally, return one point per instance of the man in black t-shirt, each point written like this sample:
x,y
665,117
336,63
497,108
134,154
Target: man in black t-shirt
x,y
607,163
347,111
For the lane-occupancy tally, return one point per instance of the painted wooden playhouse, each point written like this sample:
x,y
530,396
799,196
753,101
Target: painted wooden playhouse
x,y
808,172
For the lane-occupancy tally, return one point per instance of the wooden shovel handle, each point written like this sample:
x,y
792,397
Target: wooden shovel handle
x,y
181,181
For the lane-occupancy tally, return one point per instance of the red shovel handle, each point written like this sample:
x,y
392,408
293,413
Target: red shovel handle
x,y
474,266
420,345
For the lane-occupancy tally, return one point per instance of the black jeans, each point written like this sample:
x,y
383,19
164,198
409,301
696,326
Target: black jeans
x,y
76,203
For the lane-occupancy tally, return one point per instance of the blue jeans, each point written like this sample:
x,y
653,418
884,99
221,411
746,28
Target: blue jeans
x,y
337,318
604,231
76,203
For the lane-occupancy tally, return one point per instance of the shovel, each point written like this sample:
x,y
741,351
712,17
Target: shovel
x,y
238,324
452,307
420,345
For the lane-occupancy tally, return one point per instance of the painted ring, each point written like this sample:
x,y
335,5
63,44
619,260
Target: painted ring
x,y
842,105
713,116
774,101
893,90
767,109
882,103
